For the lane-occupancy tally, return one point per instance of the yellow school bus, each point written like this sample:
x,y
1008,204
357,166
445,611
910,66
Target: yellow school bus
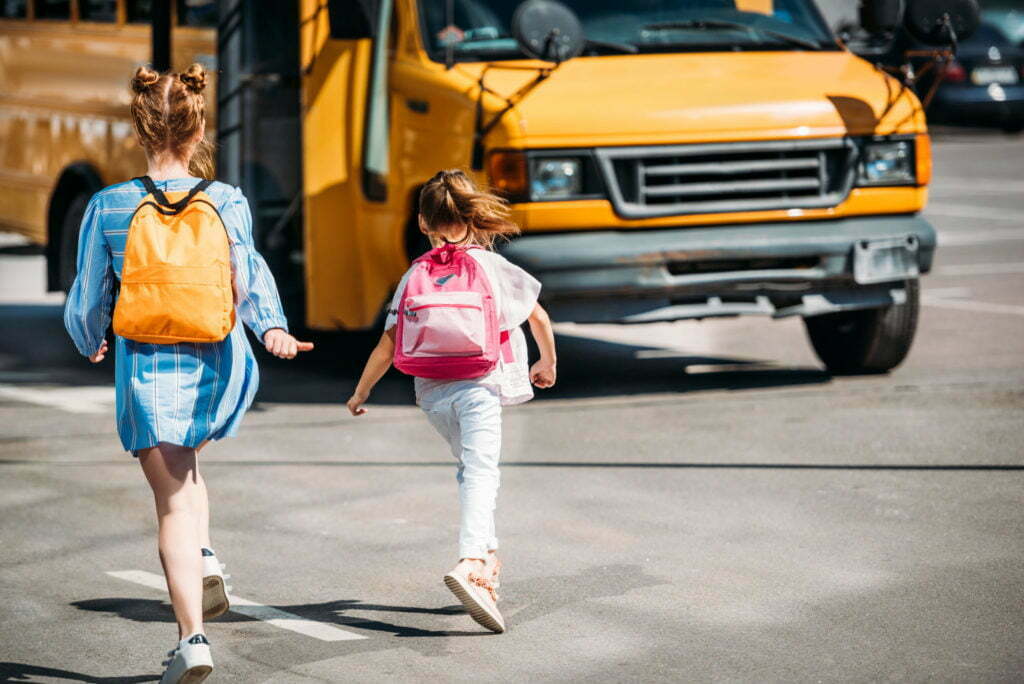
x,y
64,126
677,159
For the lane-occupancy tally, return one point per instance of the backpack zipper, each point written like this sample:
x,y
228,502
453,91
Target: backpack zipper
x,y
446,306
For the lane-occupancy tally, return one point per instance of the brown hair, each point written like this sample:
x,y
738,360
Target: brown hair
x,y
168,112
452,198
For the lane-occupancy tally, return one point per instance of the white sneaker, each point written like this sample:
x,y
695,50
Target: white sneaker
x,y
478,598
190,662
215,592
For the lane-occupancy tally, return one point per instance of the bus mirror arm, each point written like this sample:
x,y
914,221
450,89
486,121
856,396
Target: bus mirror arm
x,y
481,129
938,60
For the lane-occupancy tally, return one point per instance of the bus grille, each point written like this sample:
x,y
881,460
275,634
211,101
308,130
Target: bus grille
x,y
645,182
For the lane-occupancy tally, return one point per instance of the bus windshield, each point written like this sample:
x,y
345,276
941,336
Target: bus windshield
x,y
477,30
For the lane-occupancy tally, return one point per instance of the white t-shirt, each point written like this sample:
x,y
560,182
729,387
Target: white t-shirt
x,y
515,295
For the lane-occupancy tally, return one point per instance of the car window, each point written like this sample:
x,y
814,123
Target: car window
x,y
989,34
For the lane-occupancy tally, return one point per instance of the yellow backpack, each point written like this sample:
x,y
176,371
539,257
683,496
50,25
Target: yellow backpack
x,y
176,283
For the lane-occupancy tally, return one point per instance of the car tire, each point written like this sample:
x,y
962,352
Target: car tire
x,y
70,227
868,341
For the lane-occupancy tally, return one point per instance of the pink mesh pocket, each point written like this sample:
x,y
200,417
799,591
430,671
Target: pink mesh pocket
x,y
444,324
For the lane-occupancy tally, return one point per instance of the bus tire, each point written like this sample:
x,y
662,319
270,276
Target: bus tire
x,y
867,341
68,252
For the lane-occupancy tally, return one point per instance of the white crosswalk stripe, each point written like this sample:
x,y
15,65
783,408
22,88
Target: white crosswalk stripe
x,y
258,611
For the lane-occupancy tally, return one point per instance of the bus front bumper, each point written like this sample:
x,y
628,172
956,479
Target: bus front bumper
x,y
778,269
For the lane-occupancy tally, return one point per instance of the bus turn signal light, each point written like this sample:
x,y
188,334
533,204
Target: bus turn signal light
x,y
507,172
923,158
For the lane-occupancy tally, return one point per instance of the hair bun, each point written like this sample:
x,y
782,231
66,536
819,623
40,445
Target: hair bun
x,y
144,79
194,78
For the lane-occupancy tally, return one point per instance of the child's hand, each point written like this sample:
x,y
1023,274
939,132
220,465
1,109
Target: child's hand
x,y
543,373
101,354
282,345
355,404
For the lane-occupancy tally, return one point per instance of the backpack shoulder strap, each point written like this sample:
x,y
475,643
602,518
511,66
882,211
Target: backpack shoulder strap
x,y
161,198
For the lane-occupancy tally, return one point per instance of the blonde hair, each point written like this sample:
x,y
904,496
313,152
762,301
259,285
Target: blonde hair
x,y
169,112
452,198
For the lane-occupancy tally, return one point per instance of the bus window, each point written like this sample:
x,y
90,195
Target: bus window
x,y
377,151
139,11
97,10
53,9
201,13
13,9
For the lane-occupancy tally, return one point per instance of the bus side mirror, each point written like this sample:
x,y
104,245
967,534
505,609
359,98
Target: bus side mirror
x,y
942,22
547,30
352,19
881,17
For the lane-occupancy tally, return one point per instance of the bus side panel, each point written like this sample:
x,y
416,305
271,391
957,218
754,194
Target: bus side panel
x,y
64,108
335,74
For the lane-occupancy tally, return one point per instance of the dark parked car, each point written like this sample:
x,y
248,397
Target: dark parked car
x,y
984,86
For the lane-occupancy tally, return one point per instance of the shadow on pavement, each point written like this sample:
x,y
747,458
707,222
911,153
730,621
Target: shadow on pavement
x,y
336,612
20,672
35,349
156,610
536,597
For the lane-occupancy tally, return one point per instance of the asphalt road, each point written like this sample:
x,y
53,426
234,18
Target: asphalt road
x,y
694,501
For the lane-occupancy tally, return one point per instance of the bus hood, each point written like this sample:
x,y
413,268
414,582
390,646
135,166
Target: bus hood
x,y
697,97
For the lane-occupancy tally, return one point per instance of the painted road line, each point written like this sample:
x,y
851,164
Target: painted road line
x,y
973,211
258,611
984,186
960,238
971,305
945,292
1003,268
90,399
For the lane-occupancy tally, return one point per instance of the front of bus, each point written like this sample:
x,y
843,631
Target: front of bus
x,y
704,158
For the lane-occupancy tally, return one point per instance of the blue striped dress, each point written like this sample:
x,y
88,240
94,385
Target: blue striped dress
x,y
178,393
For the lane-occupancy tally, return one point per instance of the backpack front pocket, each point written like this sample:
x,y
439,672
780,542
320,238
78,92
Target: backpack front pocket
x,y
444,324
164,304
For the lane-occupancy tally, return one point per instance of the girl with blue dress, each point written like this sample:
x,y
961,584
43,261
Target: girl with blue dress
x,y
174,398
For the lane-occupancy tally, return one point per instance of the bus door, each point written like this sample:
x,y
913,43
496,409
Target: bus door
x,y
258,129
353,249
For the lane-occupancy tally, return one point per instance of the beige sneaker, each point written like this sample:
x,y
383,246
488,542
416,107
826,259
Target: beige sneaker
x,y
478,598
492,568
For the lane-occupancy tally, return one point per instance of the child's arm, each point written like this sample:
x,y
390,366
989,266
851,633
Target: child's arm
x,y
376,366
543,373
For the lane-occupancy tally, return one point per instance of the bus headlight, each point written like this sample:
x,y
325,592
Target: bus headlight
x,y
886,163
555,179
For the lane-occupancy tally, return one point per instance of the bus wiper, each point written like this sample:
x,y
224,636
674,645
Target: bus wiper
x,y
720,23
625,48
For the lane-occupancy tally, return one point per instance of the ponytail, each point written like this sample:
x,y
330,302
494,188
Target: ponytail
x,y
452,198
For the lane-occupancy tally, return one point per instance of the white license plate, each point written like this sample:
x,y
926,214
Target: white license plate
x,y
882,261
1003,75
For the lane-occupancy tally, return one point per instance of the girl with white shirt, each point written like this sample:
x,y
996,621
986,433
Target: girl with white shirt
x,y
467,413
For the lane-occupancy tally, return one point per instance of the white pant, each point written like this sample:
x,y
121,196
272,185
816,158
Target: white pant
x,y
468,416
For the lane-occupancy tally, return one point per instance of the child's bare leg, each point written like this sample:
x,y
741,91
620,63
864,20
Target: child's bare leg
x,y
202,504
171,472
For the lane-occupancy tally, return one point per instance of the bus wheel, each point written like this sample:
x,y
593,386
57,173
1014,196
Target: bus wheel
x,y
70,227
869,341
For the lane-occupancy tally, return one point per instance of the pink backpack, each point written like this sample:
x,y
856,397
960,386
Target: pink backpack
x,y
447,320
